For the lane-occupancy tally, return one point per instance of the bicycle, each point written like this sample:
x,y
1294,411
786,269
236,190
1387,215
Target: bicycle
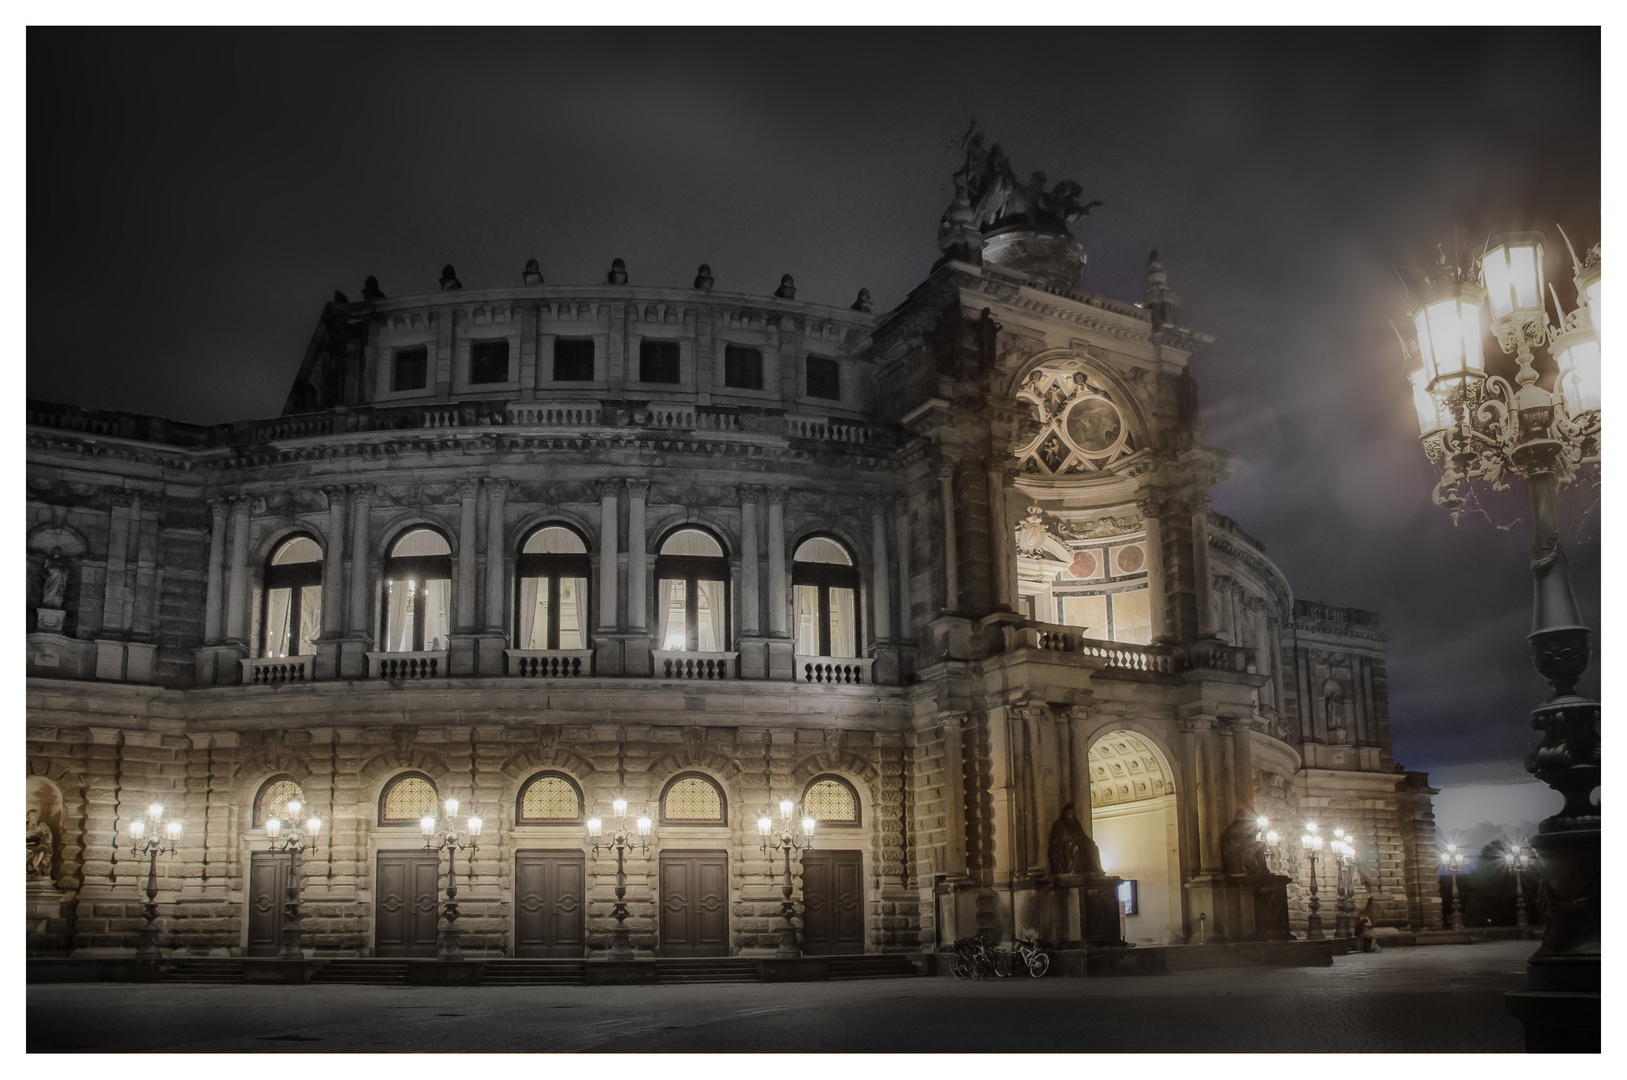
x,y
1029,955
974,959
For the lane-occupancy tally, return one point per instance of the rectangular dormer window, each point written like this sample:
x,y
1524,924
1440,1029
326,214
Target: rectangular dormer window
x,y
658,362
824,378
488,361
411,369
573,360
742,367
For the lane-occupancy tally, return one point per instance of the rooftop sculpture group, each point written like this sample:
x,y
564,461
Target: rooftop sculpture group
x,y
999,200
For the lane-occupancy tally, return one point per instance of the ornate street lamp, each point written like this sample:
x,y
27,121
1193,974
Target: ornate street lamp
x,y
1477,428
294,843
1272,840
1519,861
621,946
1343,845
451,841
151,838
1452,859
787,841
1311,843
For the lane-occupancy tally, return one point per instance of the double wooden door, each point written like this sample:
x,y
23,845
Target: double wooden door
x,y
695,903
407,905
268,891
549,895
832,902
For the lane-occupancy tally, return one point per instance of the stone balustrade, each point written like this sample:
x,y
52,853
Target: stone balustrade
x,y
549,663
276,670
832,670
406,665
695,665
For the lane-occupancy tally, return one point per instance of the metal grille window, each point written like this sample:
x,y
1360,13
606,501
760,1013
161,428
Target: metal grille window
x,y
550,797
274,798
408,798
831,801
692,798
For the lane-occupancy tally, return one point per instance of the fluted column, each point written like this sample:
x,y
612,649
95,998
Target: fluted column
x,y
496,502
906,622
361,570
637,553
333,565
750,552
468,495
237,592
951,554
883,600
609,548
1000,542
212,598
1157,586
1198,507
778,620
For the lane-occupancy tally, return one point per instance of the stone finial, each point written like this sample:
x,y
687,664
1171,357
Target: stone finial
x,y
449,278
340,298
532,274
1155,269
703,277
863,302
1159,301
371,290
618,273
787,289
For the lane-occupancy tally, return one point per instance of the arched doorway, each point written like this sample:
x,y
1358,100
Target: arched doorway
x,y
1134,823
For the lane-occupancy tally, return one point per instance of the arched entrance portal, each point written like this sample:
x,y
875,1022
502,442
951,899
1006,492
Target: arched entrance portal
x,y
1133,821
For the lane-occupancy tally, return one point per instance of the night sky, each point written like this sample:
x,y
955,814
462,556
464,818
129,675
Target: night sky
x,y
194,197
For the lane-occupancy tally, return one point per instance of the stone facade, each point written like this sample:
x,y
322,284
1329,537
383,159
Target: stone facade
x,y
980,453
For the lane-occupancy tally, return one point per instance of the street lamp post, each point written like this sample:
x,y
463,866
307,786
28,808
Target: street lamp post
x,y
451,841
1476,427
159,839
787,841
1452,859
294,843
1344,847
1519,861
1311,842
621,945
1272,840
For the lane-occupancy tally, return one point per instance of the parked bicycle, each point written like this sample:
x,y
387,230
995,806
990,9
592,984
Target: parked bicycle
x,y
1028,955
976,959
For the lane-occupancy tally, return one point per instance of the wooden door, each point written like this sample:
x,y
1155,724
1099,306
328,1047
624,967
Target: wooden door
x,y
549,894
695,903
268,891
832,902
407,905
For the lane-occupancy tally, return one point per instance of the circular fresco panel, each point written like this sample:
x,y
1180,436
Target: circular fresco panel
x,y
1094,425
1083,565
1131,559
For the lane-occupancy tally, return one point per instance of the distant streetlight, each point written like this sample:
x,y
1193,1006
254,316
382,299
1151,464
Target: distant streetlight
x,y
1452,859
452,841
294,843
1519,861
787,841
1343,845
159,840
621,946
1311,843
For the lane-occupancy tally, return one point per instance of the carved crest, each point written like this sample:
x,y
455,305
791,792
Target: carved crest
x,y
403,735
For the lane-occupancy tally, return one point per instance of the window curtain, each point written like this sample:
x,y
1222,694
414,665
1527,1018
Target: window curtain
x,y
398,632
807,639
573,593
673,633
310,618
279,611
709,620
843,623
437,615
533,613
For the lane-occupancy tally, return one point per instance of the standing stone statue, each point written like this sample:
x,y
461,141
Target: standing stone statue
x,y
41,846
1072,850
55,583
1241,852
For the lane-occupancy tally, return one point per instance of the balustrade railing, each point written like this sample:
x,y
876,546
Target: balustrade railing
x,y
834,670
276,670
549,663
695,665
406,665
1128,656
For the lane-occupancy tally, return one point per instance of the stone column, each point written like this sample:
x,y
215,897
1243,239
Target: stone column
x,y
750,552
1242,764
361,569
333,565
1157,584
217,561
1078,752
115,588
882,599
609,550
237,592
1000,543
954,784
637,554
1198,507
496,502
951,555
906,620
778,621
468,494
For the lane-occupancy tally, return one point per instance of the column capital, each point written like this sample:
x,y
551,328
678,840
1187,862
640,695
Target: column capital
x,y
1152,504
217,514
335,493
749,493
638,489
498,485
468,489
776,497
1194,725
606,489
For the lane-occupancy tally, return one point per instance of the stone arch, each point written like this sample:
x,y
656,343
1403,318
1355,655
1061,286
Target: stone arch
x,y
406,521
1119,390
657,531
1135,817
1151,733
552,516
855,769
381,767
47,535
278,531
524,764
72,816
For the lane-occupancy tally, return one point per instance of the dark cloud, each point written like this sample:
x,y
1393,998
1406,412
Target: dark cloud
x,y
194,197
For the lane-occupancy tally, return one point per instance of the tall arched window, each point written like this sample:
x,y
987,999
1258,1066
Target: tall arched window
x,y
827,592
830,800
549,798
408,799
273,799
693,799
692,593
551,579
417,612
293,598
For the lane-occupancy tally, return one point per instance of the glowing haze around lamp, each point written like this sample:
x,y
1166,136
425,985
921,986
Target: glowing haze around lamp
x,y
1448,327
1513,274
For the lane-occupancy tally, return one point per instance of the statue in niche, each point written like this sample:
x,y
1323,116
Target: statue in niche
x,y
1336,705
40,844
1072,850
54,584
1242,852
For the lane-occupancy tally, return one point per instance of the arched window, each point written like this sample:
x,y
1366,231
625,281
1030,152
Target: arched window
x,y
408,799
293,598
417,612
827,591
551,601
273,799
549,797
693,799
692,593
830,800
